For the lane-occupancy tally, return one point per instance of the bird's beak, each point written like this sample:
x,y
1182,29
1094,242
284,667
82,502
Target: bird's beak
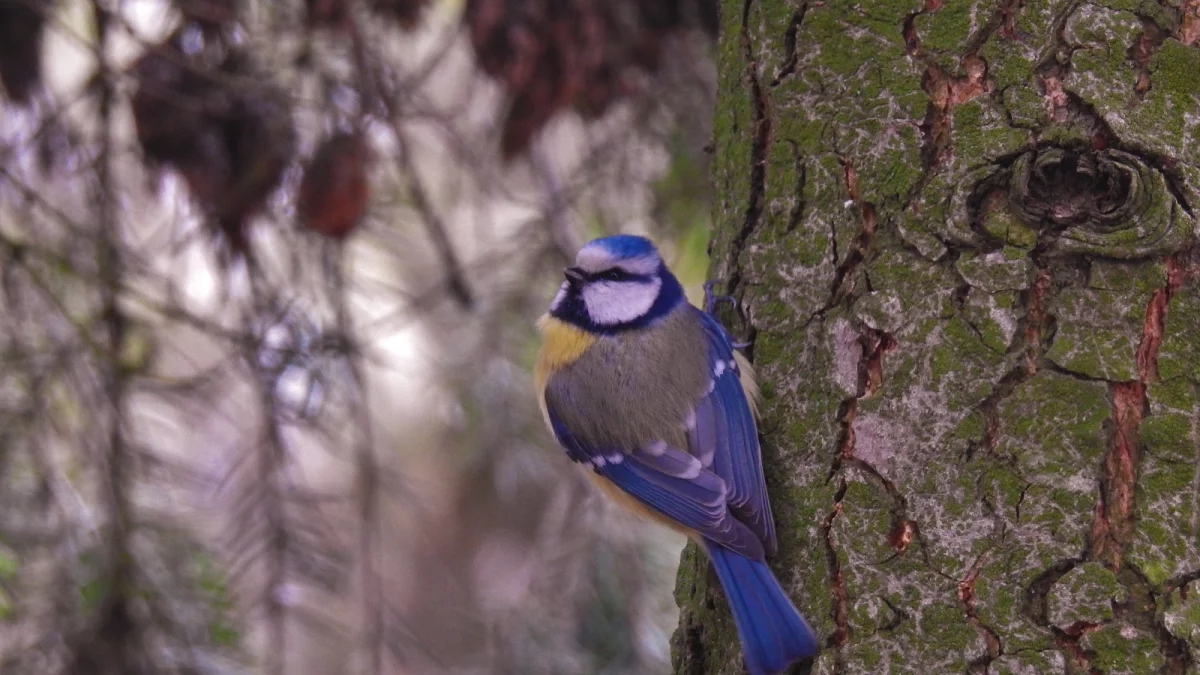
x,y
574,275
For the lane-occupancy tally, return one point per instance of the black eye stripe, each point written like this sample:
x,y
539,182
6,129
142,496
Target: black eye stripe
x,y
618,274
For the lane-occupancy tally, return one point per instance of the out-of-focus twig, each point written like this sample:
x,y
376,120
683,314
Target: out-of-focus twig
x,y
370,83
566,239
118,468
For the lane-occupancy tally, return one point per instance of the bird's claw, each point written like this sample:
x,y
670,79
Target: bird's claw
x,y
710,304
711,299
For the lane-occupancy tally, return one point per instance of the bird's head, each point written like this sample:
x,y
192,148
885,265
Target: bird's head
x,y
617,283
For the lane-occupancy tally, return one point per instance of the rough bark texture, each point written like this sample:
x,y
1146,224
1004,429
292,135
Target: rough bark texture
x,y
961,235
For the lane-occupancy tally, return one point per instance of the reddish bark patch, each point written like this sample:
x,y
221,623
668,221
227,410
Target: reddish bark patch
x,y
837,579
965,590
843,277
901,535
876,344
1114,516
946,91
1113,520
1057,101
972,83
1142,51
846,442
1068,640
936,125
1189,24
1035,319
850,176
943,89
1156,316
1008,12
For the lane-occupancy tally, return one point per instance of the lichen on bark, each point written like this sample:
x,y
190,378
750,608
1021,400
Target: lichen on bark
x,y
962,235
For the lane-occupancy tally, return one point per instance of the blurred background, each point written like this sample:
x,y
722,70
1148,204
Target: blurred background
x,y
268,277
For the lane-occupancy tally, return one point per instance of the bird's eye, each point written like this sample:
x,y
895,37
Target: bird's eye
x,y
612,275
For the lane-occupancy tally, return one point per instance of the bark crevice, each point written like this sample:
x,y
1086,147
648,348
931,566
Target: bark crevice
x,y
789,44
844,275
760,143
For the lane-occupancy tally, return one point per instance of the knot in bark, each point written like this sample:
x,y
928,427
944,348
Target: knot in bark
x,y
1061,188
1106,202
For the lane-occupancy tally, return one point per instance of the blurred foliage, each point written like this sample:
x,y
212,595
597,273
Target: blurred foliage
x,y
268,278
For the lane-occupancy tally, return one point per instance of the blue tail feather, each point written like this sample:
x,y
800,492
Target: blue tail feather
x,y
772,631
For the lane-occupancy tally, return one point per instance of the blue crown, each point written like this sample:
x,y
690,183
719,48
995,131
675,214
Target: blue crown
x,y
621,246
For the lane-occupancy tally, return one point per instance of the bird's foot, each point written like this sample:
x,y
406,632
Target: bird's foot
x,y
710,304
711,299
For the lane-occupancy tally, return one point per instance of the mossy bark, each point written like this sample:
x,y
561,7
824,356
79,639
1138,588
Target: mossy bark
x,y
961,237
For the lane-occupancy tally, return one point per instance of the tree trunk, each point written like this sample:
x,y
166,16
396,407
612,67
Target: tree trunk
x,y
961,239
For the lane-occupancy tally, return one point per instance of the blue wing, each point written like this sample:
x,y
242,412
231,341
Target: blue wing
x,y
728,432
715,485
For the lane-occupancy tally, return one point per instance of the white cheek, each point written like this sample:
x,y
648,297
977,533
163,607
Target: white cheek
x,y
643,265
559,296
610,303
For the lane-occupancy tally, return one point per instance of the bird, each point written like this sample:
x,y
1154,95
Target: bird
x,y
647,391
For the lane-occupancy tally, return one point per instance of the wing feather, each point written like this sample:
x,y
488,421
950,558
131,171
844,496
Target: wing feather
x,y
738,459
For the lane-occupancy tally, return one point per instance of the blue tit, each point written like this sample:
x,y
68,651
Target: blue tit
x,y
647,391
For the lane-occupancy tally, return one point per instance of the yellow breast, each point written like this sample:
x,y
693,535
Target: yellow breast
x,y
562,345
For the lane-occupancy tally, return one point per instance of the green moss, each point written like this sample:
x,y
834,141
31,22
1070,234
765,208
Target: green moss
x,y
1022,662
1169,437
1181,336
947,635
1002,485
1145,277
970,427
839,52
1024,104
1156,573
1004,226
1160,122
854,96
1182,618
1117,652
980,131
962,350
1008,65
948,28
1066,135
993,317
1173,70
1098,332
1086,593
1165,510
923,282
1102,74
1147,8
866,653
1055,428
997,271
892,175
